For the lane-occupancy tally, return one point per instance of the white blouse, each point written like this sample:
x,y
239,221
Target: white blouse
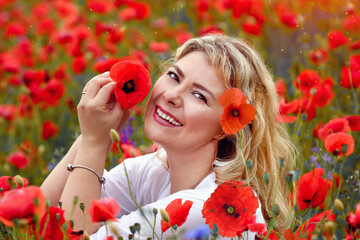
x,y
150,185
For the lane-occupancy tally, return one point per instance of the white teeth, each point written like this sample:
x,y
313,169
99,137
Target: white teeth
x,y
167,118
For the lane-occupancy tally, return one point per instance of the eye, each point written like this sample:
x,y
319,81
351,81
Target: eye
x,y
173,76
200,96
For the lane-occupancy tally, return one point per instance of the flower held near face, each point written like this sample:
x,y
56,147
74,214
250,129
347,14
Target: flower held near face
x,y
132,82
236,112
231,207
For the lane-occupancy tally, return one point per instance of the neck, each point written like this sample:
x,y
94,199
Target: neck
x,y
188,168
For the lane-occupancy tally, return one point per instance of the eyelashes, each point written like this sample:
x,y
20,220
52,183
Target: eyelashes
x,y
198,95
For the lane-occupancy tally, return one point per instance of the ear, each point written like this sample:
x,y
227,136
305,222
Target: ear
x,y
220,136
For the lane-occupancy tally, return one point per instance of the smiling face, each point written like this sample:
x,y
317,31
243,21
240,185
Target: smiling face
x,y
183,111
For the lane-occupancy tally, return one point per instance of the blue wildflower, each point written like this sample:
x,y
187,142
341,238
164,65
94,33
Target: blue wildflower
x,y
199,232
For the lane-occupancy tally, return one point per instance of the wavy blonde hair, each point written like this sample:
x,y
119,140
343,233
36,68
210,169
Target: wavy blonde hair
x,y
264,141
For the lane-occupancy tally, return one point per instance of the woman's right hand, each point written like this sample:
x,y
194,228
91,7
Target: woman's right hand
x,y
98,110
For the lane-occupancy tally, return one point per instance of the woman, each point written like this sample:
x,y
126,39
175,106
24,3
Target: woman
x,y
183,116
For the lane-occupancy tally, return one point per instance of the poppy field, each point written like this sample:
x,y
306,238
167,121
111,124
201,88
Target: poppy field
x,y
49,49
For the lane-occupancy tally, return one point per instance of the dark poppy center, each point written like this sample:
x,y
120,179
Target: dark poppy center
x,y
230,210
129,86
235,112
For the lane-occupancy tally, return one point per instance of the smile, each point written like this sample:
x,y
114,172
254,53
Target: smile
x,y
167,118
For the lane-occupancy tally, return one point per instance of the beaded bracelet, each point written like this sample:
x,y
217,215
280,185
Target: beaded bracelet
x,y
71,167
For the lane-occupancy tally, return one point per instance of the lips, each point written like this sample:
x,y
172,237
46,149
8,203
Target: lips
x,y
165,118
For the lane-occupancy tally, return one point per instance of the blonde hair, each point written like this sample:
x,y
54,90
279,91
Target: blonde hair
x,y
264,141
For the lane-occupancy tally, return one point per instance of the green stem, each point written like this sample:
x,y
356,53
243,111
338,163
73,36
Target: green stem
x,y
131,194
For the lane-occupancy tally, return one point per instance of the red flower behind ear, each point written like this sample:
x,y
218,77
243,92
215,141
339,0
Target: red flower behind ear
x,y
132,82
334,143
236,112
104,210
177,212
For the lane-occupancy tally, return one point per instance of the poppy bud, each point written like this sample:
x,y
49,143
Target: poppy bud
x,y
276,210
60,204
71,223
82,207
266,178
155,211
329,227
86,236
132,229
19,181
57,216
281,162
114,136
113,228
288,178
175,227
249,164
137,227
47,204
304,117
338,204
344,148
75,200
65,226
164,215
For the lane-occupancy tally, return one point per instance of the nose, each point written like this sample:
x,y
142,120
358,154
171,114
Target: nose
x,y
174,96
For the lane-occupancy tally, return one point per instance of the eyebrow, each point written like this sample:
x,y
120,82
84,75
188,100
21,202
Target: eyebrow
x,y
195,84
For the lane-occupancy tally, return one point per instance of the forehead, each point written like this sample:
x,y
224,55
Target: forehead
x,y
197,68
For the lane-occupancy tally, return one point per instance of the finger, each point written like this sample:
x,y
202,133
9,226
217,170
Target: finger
x,y
105,74
95,86
124,120
105,93
85,94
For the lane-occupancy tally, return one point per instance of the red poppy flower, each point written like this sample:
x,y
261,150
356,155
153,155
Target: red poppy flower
x,y
129,151
355,45
54,90
99,6
20,204
210,29
323,96
8,112
18,159
352,23
350,76
353,219
334,126
159,47
288,108
252,26
49,129
132,82
335,142
307,80
104,210
53,222
336,39
318,56
6,183
79,65
288,17
354,122
280,87
177,212
236,112
231,207
308,227
311,189
182,37
135,10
